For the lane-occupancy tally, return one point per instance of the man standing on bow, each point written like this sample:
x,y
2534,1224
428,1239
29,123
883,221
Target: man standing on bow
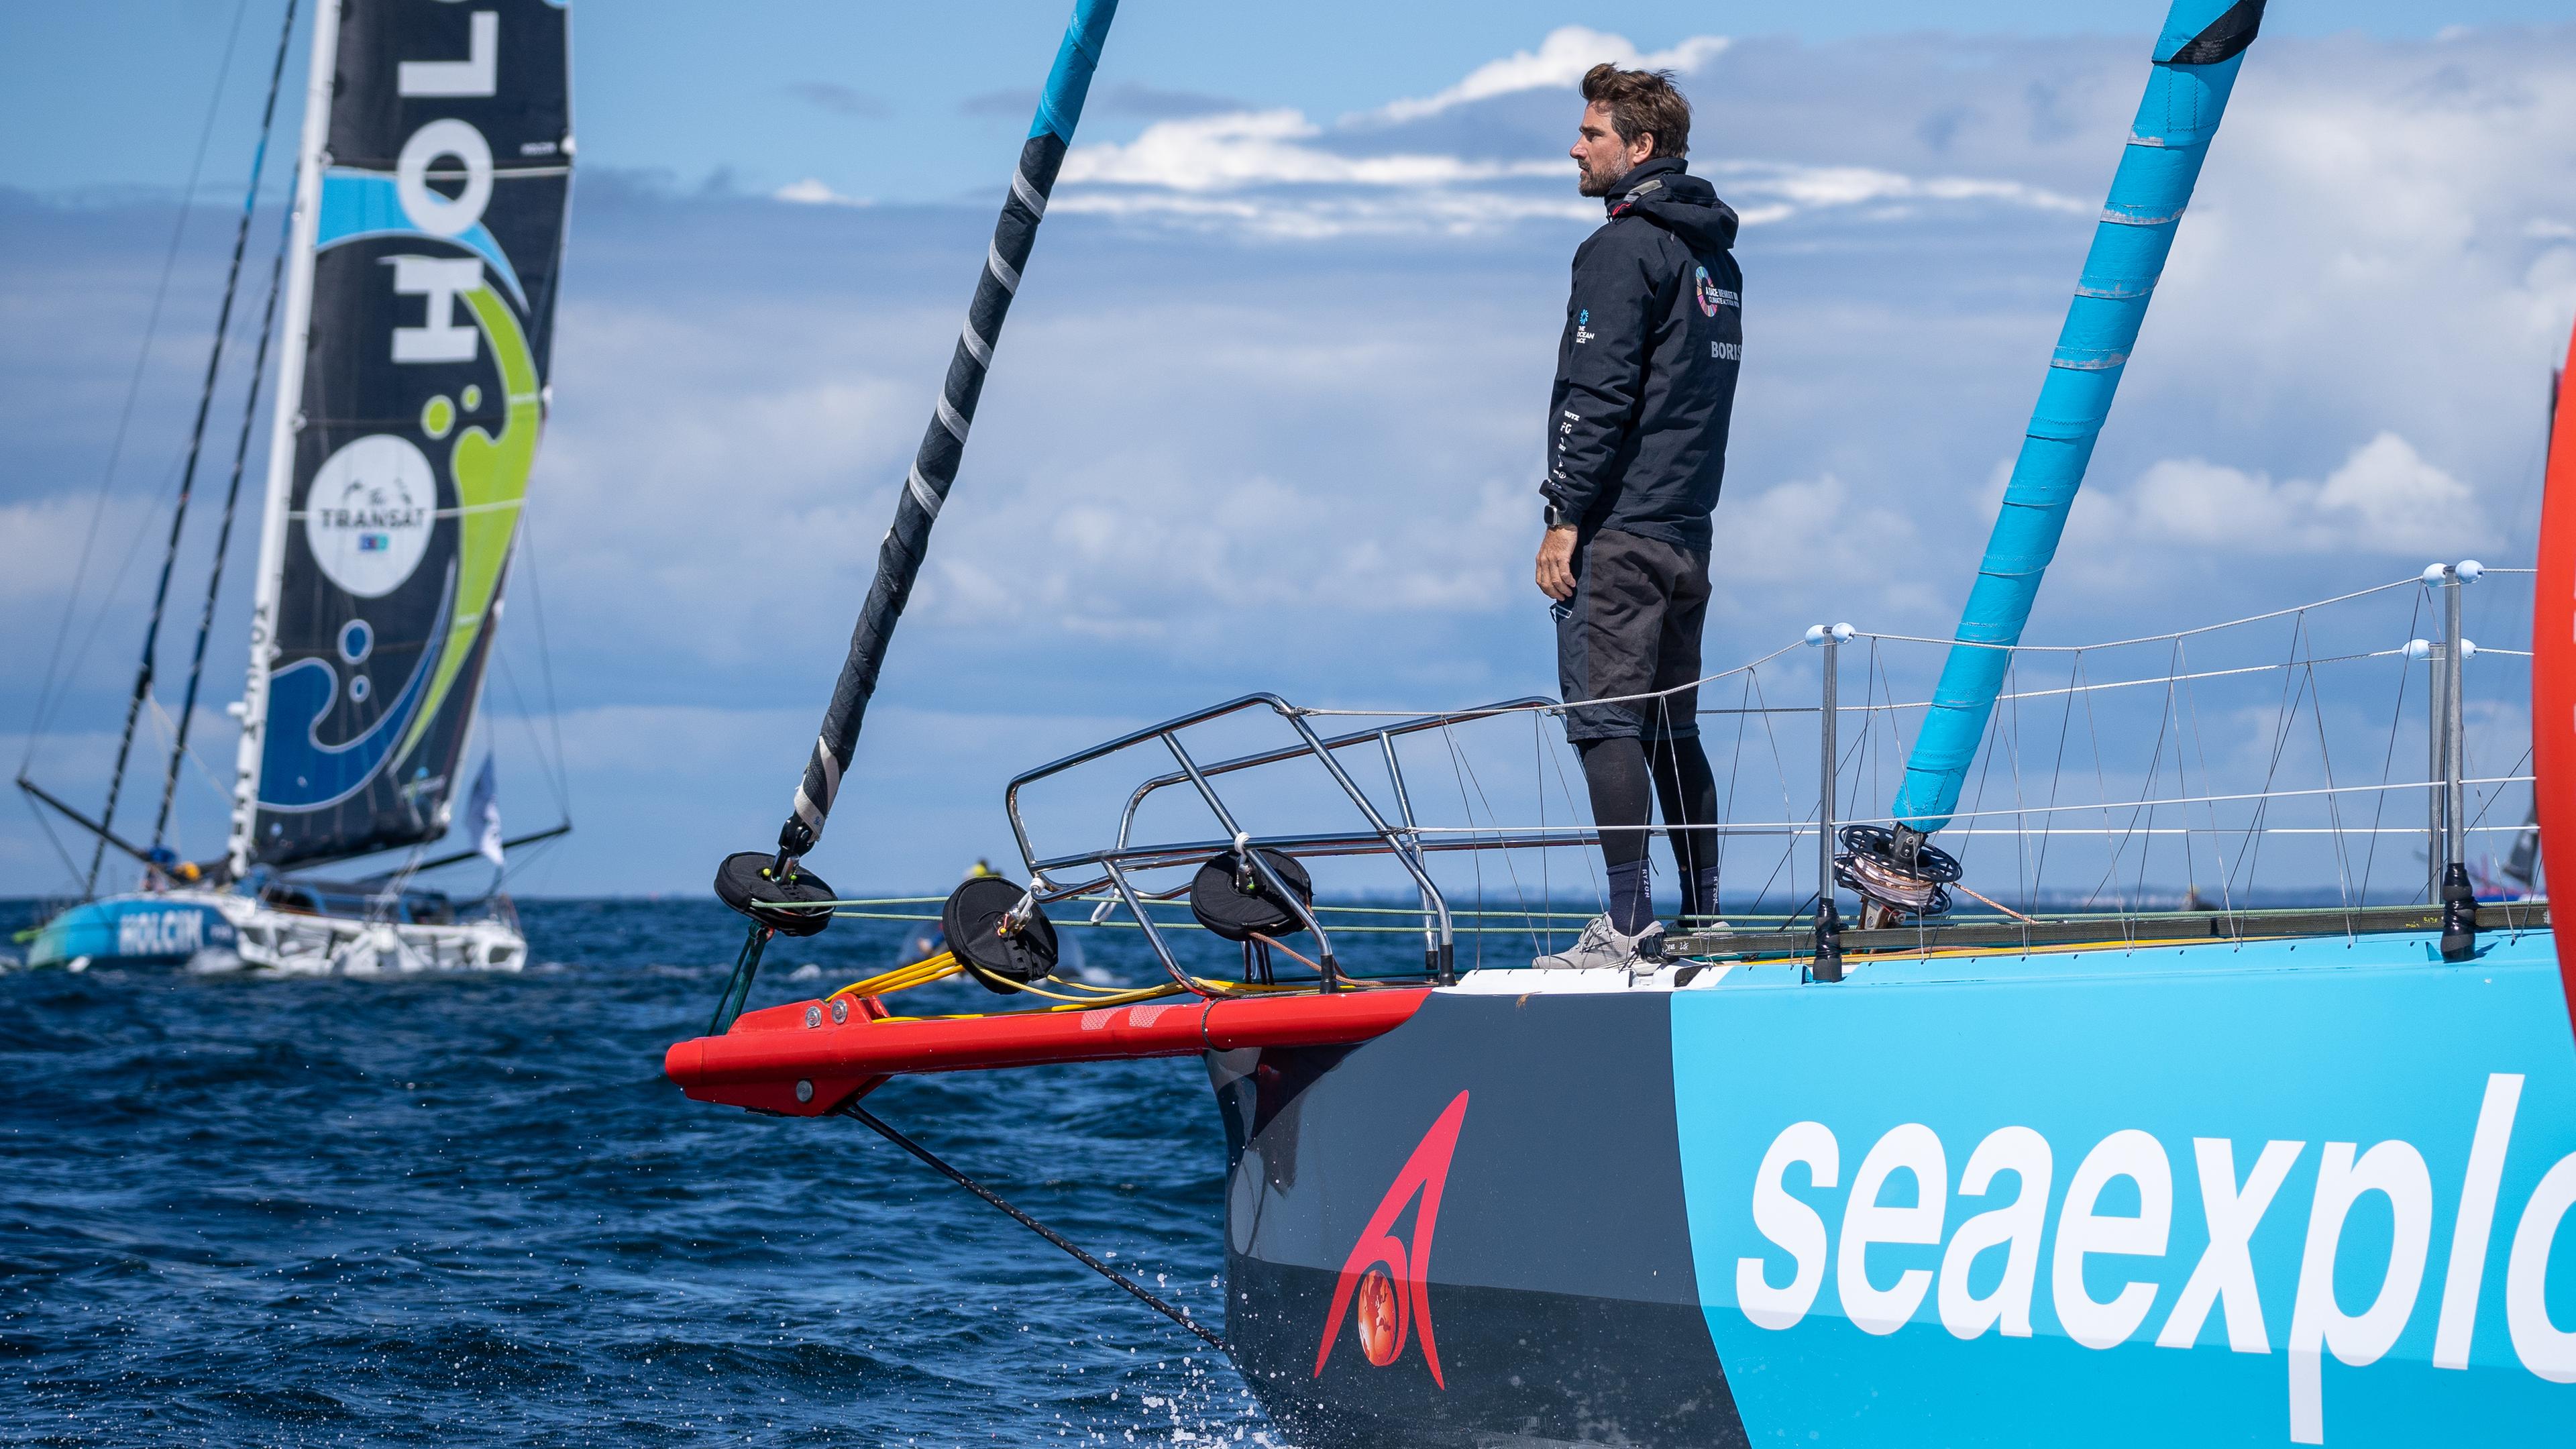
x,y
1645,382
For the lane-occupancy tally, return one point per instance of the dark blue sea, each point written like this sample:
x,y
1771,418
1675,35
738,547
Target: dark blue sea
x,y
470,1210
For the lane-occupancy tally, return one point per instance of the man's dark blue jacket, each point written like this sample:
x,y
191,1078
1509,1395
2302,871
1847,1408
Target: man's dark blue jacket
x,y
1645,374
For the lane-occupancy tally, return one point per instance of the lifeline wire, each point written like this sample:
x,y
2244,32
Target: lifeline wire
x,y
1180,1316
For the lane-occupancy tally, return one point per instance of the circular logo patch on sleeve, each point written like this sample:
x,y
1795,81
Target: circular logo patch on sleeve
x,y
1708,294
367,518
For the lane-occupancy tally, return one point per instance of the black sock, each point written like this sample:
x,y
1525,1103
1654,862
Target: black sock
x,y
1701,892
1632,905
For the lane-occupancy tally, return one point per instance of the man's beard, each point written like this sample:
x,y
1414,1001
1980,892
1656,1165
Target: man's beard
x,y
1593,183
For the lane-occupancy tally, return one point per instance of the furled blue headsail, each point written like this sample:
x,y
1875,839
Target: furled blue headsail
x,y
2196,59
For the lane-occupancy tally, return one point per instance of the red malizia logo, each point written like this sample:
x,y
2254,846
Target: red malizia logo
x,y
1387,1280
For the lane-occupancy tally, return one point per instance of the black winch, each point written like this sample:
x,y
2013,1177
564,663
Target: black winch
x,y
1898,870
998,934
751,882
1232,899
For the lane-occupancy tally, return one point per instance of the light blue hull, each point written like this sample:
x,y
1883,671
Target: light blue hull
x,y
132,930
1973,1201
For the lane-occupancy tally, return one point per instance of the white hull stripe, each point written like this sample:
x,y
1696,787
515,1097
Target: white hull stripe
x,y
949,419
976,347
1002,271
1027,194
921,493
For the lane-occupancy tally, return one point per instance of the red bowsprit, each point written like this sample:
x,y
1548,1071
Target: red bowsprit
x,y
797,1060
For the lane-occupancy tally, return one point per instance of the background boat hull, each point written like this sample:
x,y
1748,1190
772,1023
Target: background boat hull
x,y
132,930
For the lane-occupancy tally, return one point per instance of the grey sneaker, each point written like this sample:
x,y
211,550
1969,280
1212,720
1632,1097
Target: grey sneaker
x,y
1601,947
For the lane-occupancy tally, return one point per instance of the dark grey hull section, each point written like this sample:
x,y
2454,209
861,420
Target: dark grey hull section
x,y
1544,1238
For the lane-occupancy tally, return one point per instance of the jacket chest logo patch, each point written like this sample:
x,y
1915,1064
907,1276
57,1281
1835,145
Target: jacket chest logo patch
x,y
1582,334
1712,296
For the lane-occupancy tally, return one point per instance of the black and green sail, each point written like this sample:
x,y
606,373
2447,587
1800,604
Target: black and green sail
x,y
412,395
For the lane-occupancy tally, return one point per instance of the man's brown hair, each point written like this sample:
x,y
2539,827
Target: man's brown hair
x,y
1641,101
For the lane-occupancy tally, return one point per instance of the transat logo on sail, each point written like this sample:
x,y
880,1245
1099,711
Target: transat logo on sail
x,y
2364,1272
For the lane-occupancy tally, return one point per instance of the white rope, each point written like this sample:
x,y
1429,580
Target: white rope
x,y
2160,679
1807,825
2155,638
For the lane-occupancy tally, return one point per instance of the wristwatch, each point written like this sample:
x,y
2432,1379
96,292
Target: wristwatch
x,y
1556,516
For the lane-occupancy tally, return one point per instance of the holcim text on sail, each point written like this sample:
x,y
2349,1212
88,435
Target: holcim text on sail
x,y
440,280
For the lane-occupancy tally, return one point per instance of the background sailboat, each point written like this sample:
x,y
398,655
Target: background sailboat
x,y
421,272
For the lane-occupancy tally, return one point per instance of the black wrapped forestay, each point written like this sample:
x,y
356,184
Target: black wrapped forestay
x,y
925,488
926,485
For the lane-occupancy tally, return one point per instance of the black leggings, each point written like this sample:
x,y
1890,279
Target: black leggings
x,y
1617,770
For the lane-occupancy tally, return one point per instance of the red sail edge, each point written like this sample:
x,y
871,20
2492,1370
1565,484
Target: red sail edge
x,y
2553,671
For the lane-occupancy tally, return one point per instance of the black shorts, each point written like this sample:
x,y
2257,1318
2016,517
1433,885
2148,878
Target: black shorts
x,y
1632,628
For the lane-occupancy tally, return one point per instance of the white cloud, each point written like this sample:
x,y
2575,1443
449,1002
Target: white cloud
x,y
44,537
1321,218
1816,188
1261,148
1558,63
1264,172
1279,174
2384,498
813,192
1803,530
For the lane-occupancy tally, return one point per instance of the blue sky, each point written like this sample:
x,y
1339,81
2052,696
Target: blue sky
x,y
1267,413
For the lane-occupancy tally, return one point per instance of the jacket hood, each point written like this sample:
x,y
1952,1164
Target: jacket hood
x,y
1665,192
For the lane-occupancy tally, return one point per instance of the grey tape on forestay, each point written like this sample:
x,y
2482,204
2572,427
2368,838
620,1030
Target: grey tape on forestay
x,y
1027,194
976,347
948,419
921,492
831,771
1003,272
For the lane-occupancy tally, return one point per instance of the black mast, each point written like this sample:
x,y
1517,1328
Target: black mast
x,y
934,470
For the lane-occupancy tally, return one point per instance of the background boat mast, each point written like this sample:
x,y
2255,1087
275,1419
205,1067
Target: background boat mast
x,y
281,438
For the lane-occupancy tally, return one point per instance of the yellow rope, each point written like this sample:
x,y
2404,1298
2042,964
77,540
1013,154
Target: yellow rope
x,y
1094,997
904,978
